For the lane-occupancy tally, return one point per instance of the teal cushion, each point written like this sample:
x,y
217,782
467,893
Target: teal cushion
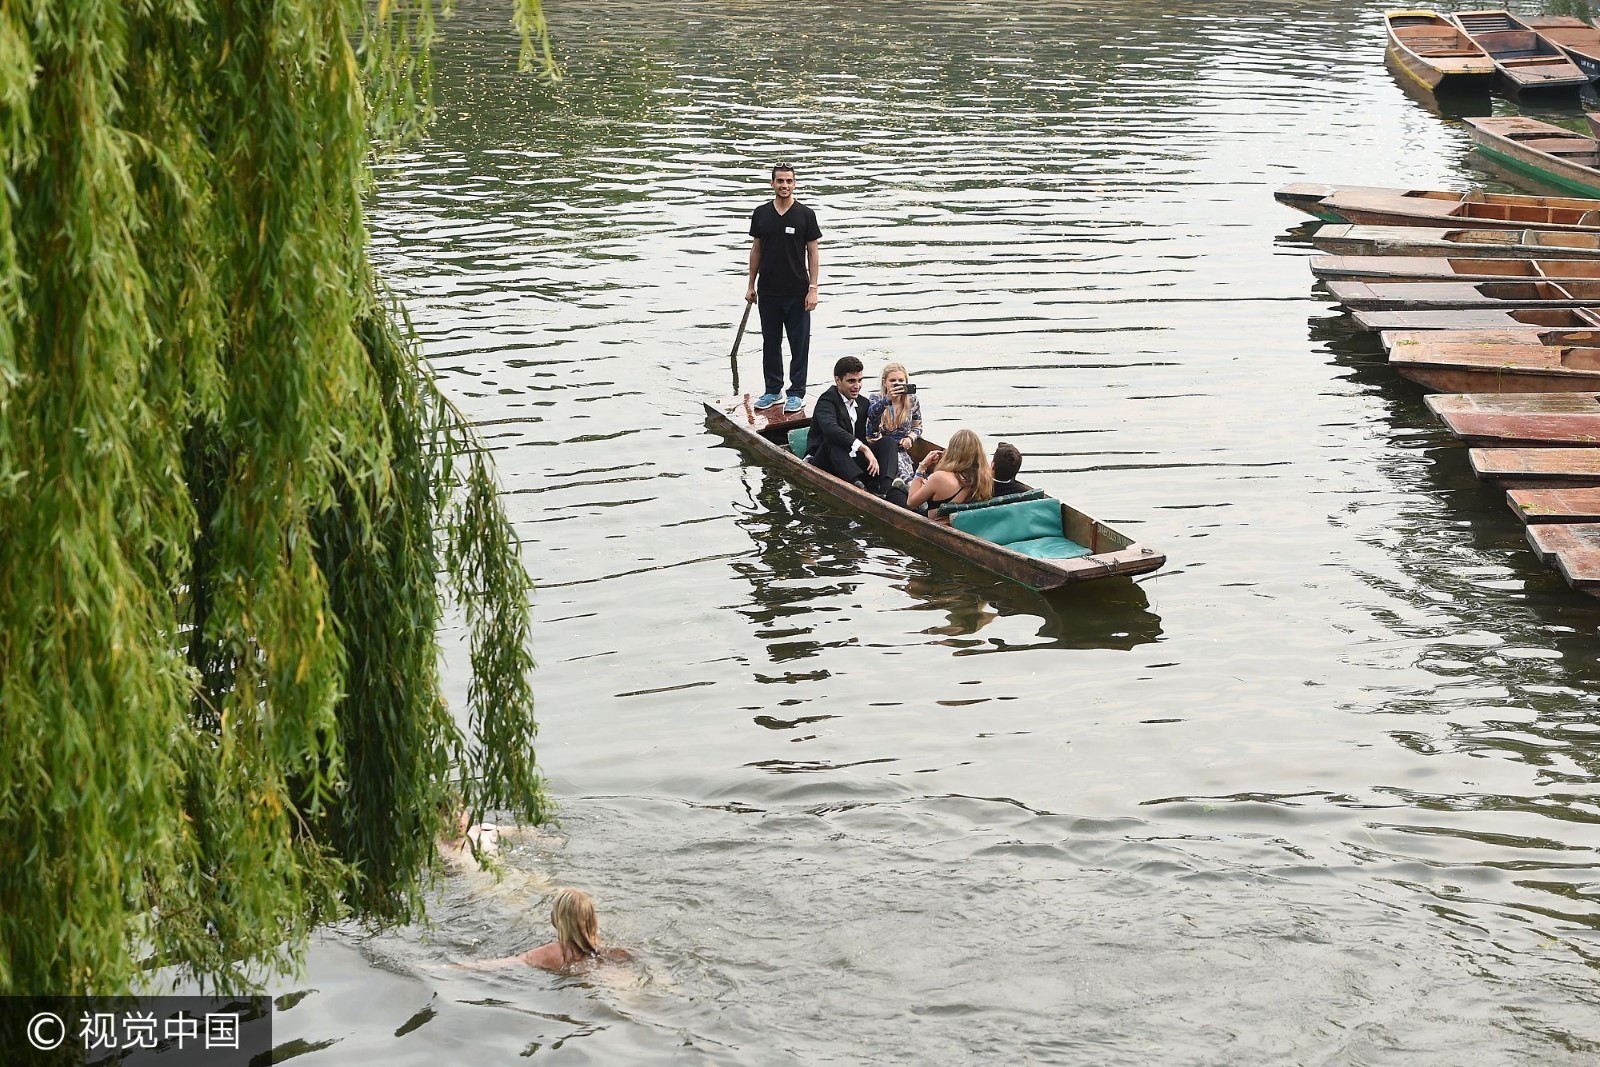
x,y
798,439
1012,522
1049,548
1014,498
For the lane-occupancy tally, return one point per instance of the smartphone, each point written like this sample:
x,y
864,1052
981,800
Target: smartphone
x,y
909,389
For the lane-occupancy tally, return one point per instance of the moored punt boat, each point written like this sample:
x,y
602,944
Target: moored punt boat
x,y
1479,319
1551,154
1532,506
1520,419
1524,59
1345,240
1370,206
1573,549
1425,296
1455,367
1399,340
1537,468
1448,269
1579,40
1106,552
1433,52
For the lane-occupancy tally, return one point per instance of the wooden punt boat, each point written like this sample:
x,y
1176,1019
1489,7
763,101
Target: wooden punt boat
x,y
1399,340
1537,468
1579,40
1110,552
1447,269
1534,420
1479,319
1525,60
1369,206
1550,154
1474,243
1564,504
1430,296
1455,367
1573,549
1435,54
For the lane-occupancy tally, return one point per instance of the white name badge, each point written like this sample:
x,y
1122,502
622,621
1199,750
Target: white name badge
x,y
788,229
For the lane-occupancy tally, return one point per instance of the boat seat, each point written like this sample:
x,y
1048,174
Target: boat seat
x,y
1013,498
1031,527
798,439
1589,218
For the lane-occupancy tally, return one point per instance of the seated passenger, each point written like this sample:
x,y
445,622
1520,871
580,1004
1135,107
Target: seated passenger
x,y
895,415
1007,462
838,440
958,475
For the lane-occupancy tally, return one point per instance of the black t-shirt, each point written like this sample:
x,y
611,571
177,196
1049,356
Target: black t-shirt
x,y
1007,488
782,271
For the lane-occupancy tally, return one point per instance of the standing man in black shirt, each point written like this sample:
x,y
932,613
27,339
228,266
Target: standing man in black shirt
x,y
784,255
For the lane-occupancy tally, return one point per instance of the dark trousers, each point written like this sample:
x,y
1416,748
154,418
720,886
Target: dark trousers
x,y
840,463
778,315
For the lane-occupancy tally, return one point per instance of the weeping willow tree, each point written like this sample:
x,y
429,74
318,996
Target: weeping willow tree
x,y
231,499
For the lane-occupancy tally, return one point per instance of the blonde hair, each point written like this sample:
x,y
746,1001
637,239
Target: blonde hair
x,y
577,928
965,458
898,411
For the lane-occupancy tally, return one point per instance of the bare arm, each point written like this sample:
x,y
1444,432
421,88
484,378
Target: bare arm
x,y
755,266
814,269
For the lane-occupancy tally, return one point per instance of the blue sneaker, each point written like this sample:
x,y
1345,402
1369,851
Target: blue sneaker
x,y
766,400
794,405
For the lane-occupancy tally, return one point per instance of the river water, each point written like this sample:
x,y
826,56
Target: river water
x,y
1321,791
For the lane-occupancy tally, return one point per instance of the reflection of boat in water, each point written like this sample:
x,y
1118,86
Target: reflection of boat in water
x,y
963,606
1075,549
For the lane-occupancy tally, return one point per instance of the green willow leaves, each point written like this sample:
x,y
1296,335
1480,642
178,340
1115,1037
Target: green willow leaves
x,y
229,497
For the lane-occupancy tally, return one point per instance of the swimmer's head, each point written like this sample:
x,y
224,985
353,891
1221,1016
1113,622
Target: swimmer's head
x,y
572,914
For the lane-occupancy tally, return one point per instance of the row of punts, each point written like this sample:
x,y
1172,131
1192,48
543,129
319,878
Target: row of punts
x,y
1492,300
1474,50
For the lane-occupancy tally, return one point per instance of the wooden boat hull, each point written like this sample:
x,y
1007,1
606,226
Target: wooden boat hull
x,y
1442,296
1456,367
1547,153
1434,54
1399,340
1371,206
1537,468
1573,549
1479,319
1533,506
1510,420
1575,37
1476,243
1524,59
1112,553
1456,269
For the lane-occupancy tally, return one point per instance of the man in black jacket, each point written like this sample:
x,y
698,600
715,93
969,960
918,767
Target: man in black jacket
x,y
838,440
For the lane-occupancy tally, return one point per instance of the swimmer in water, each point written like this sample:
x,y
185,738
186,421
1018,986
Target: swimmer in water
x,y
577,937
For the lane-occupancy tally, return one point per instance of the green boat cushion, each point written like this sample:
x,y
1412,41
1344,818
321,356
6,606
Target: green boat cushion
x,y
1049,548
1014,498
798,439
1031,527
